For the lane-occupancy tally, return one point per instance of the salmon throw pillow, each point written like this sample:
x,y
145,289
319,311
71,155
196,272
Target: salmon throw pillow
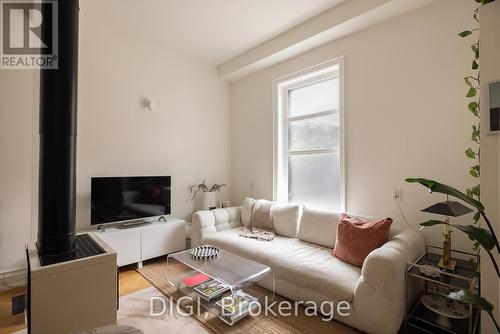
x,y
357,237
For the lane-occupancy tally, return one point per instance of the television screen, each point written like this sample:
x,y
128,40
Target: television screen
x,y
116,199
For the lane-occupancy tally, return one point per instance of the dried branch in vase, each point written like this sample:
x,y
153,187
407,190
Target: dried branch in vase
x,y
202,187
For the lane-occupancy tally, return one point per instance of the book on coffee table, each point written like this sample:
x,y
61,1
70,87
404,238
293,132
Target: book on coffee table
x,y
195,280
236,307
211,289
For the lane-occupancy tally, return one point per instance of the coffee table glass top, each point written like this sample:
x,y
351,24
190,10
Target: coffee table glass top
x,y
234,270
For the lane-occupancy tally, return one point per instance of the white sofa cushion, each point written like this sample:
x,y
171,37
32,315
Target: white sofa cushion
x,y
206,222
234,214
286,218
319,227
246,211
304,264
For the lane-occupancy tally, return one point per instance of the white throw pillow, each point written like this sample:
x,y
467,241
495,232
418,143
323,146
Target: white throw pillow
x,y
246,211
319,227
261,216
286,218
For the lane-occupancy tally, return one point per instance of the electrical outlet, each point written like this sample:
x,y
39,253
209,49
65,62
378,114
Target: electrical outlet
x,y
397,194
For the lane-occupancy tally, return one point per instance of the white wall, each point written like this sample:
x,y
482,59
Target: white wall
x,y
405,114
186,136
16,124
490,153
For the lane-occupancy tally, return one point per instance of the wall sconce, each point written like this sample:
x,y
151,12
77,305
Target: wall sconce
x,y
147,104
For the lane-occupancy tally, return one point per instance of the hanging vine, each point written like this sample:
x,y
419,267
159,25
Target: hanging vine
x,y
473,83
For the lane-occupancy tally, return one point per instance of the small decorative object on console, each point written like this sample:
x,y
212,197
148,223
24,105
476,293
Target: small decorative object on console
x,y
205,252
224,204
430,271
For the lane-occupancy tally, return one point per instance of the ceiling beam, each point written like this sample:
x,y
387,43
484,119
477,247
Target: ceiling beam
x,y
342,20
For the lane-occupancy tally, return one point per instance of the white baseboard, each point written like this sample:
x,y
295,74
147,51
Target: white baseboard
x,y
12,279
22,331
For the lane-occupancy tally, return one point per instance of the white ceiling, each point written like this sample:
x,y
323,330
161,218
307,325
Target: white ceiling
x,y
212,31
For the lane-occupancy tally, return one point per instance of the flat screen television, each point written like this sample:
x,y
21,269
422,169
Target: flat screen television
x,y
119,199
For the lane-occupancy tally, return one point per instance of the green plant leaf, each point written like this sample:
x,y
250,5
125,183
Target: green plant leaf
x,y
432,223
477,216
437,187
473,173
479,302
469,192
475,65
465,296
475,136
465,33
484,2
476,190
475,133
481,235
470,153
467,81
476,246
475,48
472,92
473,106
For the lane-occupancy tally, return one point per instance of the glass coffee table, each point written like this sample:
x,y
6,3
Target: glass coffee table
x,y
233,271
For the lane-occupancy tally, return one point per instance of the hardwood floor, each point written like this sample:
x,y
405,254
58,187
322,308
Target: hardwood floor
x,y
8,322
129,281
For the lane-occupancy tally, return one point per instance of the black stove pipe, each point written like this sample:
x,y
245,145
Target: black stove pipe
x,y
58,116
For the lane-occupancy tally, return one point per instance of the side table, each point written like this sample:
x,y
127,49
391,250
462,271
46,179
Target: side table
x,y
432,312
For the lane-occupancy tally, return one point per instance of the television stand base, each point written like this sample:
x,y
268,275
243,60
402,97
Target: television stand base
x,y
141,243
133,224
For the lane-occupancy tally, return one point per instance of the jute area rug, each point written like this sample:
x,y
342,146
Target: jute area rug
x,y
156,272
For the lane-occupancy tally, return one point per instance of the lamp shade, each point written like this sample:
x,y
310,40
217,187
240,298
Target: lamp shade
x,y
448,208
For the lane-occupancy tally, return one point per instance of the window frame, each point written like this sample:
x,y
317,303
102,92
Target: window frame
x,y
281,87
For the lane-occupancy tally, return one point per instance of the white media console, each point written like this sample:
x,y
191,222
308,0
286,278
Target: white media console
x,y
140,243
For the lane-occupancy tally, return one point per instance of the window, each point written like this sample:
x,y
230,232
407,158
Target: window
x,y
308,138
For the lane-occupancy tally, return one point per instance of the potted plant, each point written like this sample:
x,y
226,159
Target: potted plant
x,y
209,201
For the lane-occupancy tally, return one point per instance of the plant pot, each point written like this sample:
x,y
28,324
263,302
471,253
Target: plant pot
x,y
209,200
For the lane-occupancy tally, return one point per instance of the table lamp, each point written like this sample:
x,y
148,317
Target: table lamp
x,y
448,209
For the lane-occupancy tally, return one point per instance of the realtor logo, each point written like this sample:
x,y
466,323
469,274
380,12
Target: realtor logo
x,y
23,46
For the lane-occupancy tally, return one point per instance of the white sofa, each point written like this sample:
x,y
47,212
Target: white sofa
x,y
305,270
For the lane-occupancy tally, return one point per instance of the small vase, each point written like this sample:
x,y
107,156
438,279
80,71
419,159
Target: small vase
x,y
209,200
